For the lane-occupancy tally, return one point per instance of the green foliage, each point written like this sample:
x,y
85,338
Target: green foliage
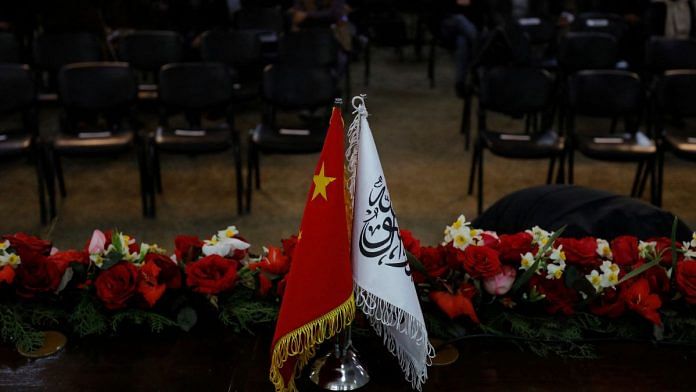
x,y
241,311
155,321
442,328
44,316
87,317
16,330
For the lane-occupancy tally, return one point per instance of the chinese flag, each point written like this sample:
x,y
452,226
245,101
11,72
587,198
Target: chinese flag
x,y
318,300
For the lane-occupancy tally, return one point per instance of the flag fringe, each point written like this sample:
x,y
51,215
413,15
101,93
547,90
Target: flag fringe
x,y
352,150
302,342
383,315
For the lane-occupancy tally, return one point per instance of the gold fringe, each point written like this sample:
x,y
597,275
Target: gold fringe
x,y
302,342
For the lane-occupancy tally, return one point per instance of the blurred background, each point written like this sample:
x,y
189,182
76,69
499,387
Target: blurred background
x,y
161,118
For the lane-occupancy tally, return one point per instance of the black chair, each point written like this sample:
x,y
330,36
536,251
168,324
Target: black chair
x,y
148,50
54,50
541,34
240,50
97,100
662,54
599,22
18,98
611,94
267,22
588,50
9,48
196,89
675,96
308,91
518,92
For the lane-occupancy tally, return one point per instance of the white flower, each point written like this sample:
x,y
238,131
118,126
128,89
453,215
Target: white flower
x,y
11,259
693,240
223,246
558,255
646,248
526,261
690,254
595,279
539,236
603,249
555,271
460,234
610,274
229,232
4,245
97,259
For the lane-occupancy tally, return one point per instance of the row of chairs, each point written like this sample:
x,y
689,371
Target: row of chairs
x,y
99,118
532,93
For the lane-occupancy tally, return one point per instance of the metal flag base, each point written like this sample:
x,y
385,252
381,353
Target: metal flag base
x,y
340,369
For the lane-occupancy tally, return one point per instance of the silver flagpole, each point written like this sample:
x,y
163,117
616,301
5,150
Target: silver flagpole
x,y
340,369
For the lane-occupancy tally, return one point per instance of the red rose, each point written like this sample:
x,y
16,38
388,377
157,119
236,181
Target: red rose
x,y
490,240
559,297
610,305
512,246
211,275
289,245
481,262
458,304
434,261
7,274
265,285
665,244
37,275
170,273
581,252
625,250
639,299
274,263
149,285
27,246
411,243
657,279
686,280
117,284
63,259
187,248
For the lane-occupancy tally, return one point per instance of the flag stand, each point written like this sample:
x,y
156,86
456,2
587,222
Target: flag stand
x,y
340,369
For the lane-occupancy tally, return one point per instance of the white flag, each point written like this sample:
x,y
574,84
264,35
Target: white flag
x,y
383,285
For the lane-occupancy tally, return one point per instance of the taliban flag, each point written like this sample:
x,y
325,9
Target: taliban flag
x,y
384,288
318,300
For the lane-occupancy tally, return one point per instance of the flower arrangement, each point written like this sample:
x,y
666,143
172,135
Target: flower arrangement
x,y
535,287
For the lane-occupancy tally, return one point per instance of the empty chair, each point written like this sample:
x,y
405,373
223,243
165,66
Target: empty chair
x,y
97,100
518,92
310,48
598,22
662,53
297,89
9,48
240,50
267,22
588,50
54,50
541,34
675,96
18,99
611,94
148,50
196,89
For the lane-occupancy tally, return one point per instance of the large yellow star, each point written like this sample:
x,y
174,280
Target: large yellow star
x,y
321,182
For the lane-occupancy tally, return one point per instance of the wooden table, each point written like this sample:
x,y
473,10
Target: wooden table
x,y
217,360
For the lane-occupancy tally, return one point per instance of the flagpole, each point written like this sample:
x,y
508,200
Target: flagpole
x,y
340,369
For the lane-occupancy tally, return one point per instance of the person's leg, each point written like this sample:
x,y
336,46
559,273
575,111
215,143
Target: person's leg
x,y
464,33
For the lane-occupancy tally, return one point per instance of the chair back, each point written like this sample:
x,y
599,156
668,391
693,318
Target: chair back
x,y
54,50
516,91
9,48
195,86
17,86
662,53
676,93
294,87
537,30
239,49
310,48
260,19
609,93
588,50
599,22
149,50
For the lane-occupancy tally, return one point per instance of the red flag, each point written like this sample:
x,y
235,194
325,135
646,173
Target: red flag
x,y
318,300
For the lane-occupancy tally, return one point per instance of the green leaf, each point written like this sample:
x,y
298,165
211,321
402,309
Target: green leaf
x,y
541,254
639,270
416,264
187,318
155,321
111,259
86,318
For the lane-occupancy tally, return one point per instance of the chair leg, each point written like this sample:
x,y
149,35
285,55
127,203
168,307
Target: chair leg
x,y
637,179
36,156
660,176
653,182
156,170
238,173
466,120
472,172
560,176
58,165
479,204
140,151
50,179
571,166
549,175
257,169
431,64
648,170
250,173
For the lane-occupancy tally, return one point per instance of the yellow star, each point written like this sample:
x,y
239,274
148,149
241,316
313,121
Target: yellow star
x,y
321,182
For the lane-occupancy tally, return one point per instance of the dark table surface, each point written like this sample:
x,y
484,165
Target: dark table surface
x,y
218,360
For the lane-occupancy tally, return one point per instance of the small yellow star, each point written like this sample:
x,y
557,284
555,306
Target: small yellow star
x,y
321,182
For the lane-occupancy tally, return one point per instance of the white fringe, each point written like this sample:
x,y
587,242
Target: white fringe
x,y
382,315
352,149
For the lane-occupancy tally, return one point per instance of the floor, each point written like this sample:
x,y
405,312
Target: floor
x,y
416,129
